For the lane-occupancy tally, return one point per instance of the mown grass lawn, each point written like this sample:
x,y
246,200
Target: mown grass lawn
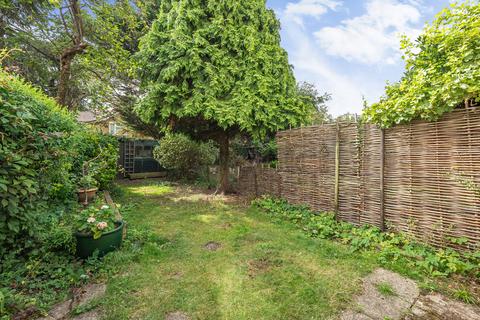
x,y
262,270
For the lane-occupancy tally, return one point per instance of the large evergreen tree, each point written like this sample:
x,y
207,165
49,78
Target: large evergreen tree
x,y
214,68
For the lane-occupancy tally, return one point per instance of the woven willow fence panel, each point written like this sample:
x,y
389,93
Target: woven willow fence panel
x,y
426,168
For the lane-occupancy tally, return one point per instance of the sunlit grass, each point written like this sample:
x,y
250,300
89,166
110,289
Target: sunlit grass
x,y
263,270
157,189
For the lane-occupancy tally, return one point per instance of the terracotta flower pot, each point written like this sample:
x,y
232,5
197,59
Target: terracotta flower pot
x,y
86,195
108,242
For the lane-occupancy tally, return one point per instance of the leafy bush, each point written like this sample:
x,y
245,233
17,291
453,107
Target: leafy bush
x,y
34,163
46,276
442,70
244,148
393,248
98,152
185,157
42,149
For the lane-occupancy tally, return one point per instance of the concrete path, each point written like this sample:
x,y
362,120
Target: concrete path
x,y
81,297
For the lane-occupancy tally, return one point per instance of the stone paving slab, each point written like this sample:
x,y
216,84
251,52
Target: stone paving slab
x,y
91,315
405,302
373,305
378,306
81,297
177,315
88,293
438,307
351,315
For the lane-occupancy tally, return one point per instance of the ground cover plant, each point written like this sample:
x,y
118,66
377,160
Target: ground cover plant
x,y
396,251
30,285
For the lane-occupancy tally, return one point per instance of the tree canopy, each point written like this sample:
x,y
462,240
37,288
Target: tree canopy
x,y
218,62
309,93
442,70
216,68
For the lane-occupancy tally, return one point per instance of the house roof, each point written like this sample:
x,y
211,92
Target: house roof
x,y
90,117
86,117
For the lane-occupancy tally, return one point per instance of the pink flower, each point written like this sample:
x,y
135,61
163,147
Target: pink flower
x,y
102,225
91,220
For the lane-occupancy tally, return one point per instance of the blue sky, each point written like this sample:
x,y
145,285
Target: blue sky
x,y
350,48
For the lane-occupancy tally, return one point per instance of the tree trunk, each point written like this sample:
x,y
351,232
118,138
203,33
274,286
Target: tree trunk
x,y
224,160
63,80
69,54
65,72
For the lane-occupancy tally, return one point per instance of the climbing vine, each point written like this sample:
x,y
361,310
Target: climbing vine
x,y
442,70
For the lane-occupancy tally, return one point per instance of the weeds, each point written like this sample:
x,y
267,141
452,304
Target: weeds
x,y
386,289
395,250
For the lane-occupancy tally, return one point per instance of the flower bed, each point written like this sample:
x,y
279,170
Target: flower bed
x,y
393,249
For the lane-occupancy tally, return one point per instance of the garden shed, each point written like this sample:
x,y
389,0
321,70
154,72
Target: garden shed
x,y
136,156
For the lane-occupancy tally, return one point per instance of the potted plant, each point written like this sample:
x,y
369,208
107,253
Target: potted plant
x,y
97,229
87,189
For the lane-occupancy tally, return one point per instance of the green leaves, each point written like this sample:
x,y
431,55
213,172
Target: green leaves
x,y
218,62
392,248
442,70
37,166
184,156
27,155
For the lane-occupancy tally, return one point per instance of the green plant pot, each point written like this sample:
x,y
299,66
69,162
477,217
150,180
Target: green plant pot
x,y
108,242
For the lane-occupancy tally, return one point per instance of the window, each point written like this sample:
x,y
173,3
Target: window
x,y
144,151
114,128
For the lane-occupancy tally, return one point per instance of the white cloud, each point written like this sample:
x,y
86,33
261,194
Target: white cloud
x,y
312,8
311,65
372,38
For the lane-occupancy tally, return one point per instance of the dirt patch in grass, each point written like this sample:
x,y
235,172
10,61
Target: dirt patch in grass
x,y
260,266
177,315
176,275
212,246
226,225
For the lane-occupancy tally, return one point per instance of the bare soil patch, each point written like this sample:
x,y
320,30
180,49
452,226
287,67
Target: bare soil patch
x,y
177,315
212,246
259,266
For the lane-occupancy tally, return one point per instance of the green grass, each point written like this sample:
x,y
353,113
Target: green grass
x,y
263,270
386,289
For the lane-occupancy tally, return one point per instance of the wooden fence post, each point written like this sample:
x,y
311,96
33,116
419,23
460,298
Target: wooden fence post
x,y
382,179
337,168
255,181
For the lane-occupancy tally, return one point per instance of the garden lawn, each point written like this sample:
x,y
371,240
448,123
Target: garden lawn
x,y
263,269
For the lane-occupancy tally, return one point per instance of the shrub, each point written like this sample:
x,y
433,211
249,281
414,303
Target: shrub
x,y
34,163
442,70
42,149
99,152
185,157
95,221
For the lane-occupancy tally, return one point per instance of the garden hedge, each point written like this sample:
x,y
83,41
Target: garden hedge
x,y
41,150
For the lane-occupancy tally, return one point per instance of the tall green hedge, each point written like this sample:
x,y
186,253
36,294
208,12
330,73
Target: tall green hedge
x,y
41,150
